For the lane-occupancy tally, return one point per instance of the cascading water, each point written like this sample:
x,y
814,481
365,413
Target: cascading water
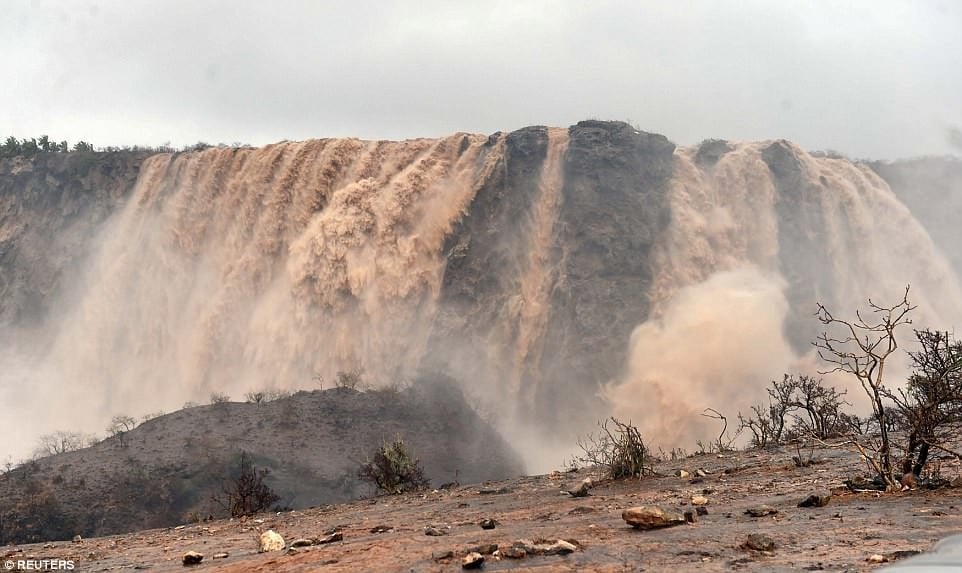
x,y
735,264
229,270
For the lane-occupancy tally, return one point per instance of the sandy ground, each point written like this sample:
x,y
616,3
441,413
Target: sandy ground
x,y
841,536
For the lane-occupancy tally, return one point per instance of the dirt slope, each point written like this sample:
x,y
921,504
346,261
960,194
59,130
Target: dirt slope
x,y
841,536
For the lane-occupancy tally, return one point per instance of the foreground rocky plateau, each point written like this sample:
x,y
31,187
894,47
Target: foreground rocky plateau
x,y
434,531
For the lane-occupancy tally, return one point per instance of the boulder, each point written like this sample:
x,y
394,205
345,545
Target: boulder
x,y
271,541
651,517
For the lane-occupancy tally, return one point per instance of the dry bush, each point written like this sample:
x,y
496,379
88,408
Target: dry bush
x,y
61,442
219,398
929,408
798,407
246,493
351,379
617,448
392,469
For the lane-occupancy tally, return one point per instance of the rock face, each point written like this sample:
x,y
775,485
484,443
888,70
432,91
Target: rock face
x,y
52,206
652,517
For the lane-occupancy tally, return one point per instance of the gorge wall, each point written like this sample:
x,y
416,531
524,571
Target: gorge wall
x,y
560,274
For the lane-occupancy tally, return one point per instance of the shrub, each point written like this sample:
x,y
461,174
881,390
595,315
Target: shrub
x,y
246,493
351,379
798,406
618,448
392,469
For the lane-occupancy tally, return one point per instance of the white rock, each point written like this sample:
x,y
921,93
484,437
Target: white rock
x,y
271,541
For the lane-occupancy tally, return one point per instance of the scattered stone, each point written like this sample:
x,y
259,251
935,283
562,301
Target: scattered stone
x,y
708,491
472,560
759,542
701,473
330,538
488,523
77,539
820,499
559,547
302,542
381,529
434,531
514,552
192,558
494,491
682,473
876,558
859,485
701,510
691,516
442,555
699,500
761,511
221,555
484,549
651,517
582,489
271,541
543,547
896,555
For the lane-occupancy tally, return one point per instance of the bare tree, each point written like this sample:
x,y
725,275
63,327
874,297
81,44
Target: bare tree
x,y
119,426
246,492
860,348
61,442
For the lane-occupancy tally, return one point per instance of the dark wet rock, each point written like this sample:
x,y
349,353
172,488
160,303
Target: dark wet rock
x,y
488,523
711,150
329,538
820,499
494,490
472,561
192,558
652,517
759,542
861,484
582,489
302,543
701,510
381,529
761,511
691,516
484,549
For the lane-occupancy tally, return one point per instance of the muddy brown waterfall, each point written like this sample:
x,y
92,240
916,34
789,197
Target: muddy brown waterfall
x,y
560,274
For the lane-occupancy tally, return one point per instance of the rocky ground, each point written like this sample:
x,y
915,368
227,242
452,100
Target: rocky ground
x,y
434,531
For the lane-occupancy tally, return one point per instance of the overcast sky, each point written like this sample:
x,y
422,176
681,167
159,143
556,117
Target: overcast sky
x,y
871,79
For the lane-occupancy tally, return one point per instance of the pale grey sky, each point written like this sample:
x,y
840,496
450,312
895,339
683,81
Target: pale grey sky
x,y
870,78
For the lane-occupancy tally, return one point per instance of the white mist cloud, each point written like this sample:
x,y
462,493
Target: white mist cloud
x,y
717,345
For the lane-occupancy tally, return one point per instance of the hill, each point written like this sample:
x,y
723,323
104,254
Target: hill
x,y
166,470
